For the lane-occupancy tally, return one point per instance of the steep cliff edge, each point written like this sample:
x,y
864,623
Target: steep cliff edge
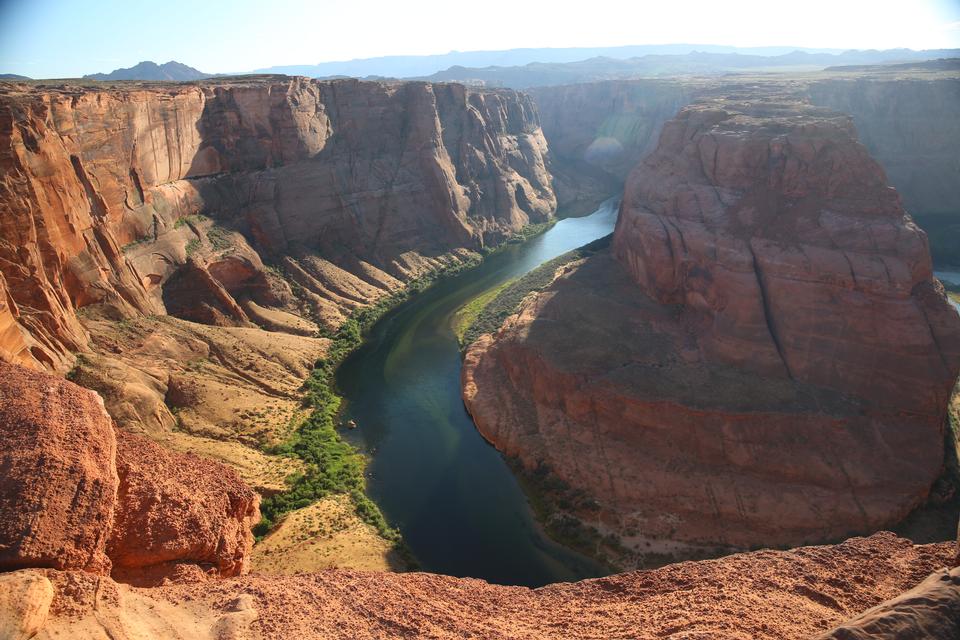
x,y
911,125
908,120
358,184
598,131
193,242
78,497
763,357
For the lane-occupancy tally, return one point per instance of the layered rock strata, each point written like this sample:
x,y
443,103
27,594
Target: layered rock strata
x,y
360,184
598,131
763,357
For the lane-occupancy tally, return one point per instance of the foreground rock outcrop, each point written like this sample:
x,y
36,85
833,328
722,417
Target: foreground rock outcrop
x,y
767,595
175,509
76,495
929,610
763,357
58,475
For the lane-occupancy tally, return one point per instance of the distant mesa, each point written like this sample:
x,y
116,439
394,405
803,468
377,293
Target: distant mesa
x,y
147,70
13,76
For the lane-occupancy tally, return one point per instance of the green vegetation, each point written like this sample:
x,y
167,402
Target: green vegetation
x,y
467,315
333,465
194,219
192,246
219,237
554,503
519,237
489,313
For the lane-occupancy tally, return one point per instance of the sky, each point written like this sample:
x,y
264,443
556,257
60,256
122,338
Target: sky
x,y
69,38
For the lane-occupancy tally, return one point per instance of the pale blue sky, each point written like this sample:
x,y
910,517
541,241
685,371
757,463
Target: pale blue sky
x,y
65,38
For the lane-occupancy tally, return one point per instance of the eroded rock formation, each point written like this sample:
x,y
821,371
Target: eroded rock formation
x,y
58,475
177,509
76,495
763,357
370,182
911,125
598,131
929,611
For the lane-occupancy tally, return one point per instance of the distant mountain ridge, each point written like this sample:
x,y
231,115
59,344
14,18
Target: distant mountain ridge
x,y
414,66
693,63
522,68
148,70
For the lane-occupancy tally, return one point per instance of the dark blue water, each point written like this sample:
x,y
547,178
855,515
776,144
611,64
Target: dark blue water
x,y
452,495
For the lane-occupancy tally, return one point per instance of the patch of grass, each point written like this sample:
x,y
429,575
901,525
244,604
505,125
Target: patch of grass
x,y
219,238
194,219
192,246
489,314
467,315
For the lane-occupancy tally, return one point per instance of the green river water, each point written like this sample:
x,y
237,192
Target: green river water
x,y
451,494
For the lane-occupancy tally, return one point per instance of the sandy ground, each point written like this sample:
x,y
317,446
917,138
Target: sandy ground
x,y
325,535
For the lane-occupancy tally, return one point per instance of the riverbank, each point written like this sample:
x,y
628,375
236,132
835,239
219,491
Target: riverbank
x,y
460,508
334,469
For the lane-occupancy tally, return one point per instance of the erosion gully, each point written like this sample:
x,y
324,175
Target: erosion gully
x,y
452,495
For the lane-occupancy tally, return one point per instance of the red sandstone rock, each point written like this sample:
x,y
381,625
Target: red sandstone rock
x,y
58,480
175,509
75,494
929,611
766,595
371,175
767,360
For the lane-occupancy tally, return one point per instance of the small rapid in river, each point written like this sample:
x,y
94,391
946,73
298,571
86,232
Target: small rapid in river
x,y
452,495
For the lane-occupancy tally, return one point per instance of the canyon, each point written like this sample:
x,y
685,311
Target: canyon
x,y
761,357
135,221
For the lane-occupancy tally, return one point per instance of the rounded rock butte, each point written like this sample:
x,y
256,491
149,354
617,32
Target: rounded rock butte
x,y
762,358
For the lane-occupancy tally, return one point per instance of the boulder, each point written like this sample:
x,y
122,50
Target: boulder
x,y
176,509
58,478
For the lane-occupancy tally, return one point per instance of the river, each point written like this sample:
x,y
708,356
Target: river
x,y
952,277
451,494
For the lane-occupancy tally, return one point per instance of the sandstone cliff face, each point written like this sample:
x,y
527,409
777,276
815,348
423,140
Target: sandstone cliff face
x,y
598,131
371,181
762,358
76,495
912,127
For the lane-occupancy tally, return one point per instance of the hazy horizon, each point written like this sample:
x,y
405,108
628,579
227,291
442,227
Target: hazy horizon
x,y
61,38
